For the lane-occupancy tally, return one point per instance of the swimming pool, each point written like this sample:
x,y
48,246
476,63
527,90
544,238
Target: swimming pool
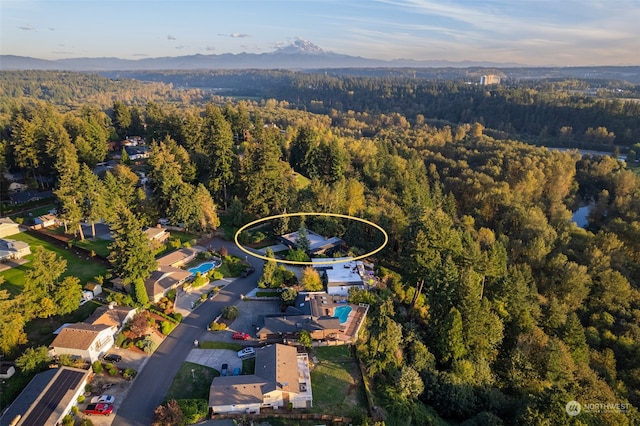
x,y
342,312
205,267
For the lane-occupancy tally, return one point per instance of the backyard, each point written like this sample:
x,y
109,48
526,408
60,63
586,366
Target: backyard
x,y
336,382
192,381
84,269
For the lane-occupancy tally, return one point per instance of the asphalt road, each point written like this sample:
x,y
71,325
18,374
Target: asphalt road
x,y
152,383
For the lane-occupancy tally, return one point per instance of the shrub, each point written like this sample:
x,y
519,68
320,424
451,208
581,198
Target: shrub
x,y
120,339
171,294
149,345
80,399
166,327
230,312
177,316
215,275
113,371
74,409
257,237
223,251
140,344
97,367
199,281
217,326
86,422
68,420
194,410
129,373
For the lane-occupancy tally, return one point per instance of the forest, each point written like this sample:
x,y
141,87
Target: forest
x,y
494,308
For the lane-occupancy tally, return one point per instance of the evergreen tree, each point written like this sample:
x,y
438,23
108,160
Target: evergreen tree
x,y
131,254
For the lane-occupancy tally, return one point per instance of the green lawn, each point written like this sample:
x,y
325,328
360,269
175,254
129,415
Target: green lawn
x,y
191,381
336,382
100,246
209,344
85,270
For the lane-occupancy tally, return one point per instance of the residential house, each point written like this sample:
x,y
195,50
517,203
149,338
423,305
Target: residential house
x,y
112,315
318,244
28,196
179,257
82,340
137,152
162,280
325,317
46,220
281,379
8,227
340,277
157,236
13,250
94,288
48,397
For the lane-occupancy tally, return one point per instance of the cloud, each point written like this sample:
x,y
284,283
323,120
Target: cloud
x,y
140,54
235,35
51,29
27,27
180,47
170,37
210,48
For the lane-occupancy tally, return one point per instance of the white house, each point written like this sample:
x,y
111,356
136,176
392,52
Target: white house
x,y
342,275
12,249
82,340
8,227
281,378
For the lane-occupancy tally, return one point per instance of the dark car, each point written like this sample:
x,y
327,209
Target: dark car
x,y
248,271
224,370
112,358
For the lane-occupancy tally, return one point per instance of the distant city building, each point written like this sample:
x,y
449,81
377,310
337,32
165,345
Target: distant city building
x,y
489,79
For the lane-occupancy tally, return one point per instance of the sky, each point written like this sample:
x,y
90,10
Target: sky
x,y
528,32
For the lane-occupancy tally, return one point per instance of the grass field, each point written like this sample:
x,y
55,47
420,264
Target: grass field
x,y
192,381
336,382
100,246
84,269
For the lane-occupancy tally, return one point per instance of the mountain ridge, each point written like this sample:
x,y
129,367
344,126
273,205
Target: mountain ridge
x,y
300,54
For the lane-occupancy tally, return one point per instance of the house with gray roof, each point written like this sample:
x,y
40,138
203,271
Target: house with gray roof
x,y
82,340
47,398
281,379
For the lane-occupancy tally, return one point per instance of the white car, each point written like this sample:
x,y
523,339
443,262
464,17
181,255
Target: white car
x,y
247,353
108,399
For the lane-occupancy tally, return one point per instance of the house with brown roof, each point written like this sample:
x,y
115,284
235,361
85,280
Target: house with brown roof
x,y
179,257
48,397
281,378
82,340
157,236
112,315
164,279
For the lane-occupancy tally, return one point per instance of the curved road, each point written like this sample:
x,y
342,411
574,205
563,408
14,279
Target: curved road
x,y
152,383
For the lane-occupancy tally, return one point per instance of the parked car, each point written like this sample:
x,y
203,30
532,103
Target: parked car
x,y
109,399
112,358
102,409
240,336
224,370
236,371
247,353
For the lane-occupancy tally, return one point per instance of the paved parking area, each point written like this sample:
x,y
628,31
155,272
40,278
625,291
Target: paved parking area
x,y
248,321
214,358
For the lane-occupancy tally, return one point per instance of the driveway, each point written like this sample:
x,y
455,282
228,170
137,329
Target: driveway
x,y
214,358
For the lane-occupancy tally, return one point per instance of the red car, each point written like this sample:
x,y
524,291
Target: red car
x,y
241,336
102,409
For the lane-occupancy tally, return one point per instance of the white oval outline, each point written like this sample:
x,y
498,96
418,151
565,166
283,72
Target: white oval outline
x,y
296,262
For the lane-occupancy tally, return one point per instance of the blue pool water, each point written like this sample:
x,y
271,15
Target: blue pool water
x,y
203,268
342,312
